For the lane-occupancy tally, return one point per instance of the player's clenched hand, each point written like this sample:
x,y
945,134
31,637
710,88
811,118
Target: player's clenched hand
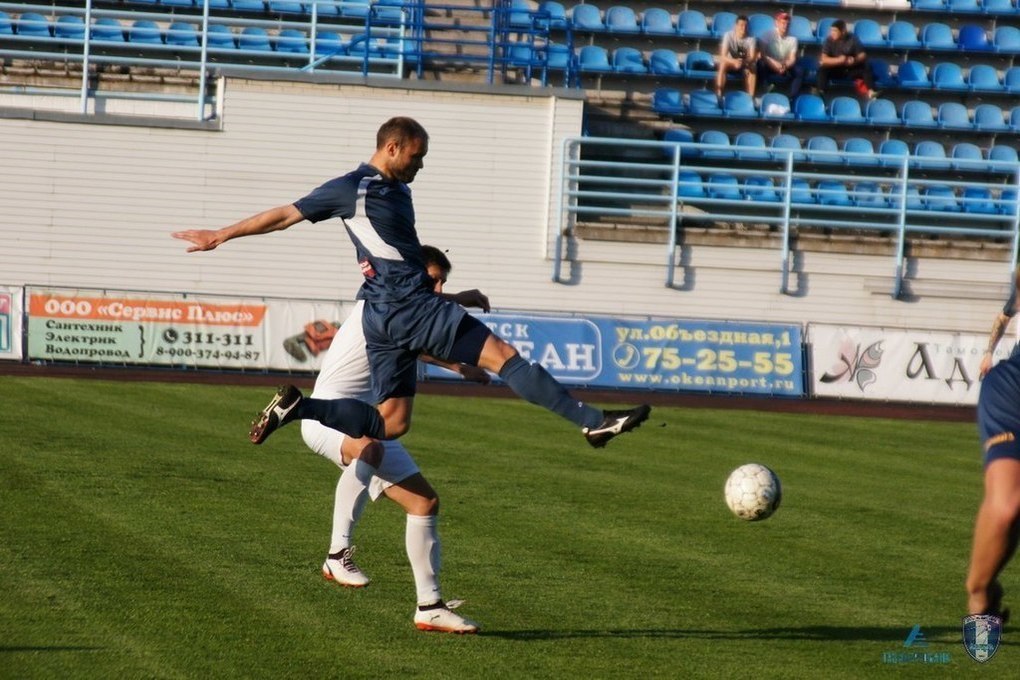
x,y
472,298
201,239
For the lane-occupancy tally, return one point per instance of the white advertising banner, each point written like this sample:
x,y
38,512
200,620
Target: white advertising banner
x,y
10,322
162,329
897,365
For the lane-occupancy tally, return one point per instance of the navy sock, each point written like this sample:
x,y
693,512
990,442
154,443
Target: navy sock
x,y
533,383
353,417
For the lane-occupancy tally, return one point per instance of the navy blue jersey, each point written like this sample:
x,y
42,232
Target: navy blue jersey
x,y
379,217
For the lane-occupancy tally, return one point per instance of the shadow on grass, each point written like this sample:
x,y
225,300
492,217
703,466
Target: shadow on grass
x,y
820,633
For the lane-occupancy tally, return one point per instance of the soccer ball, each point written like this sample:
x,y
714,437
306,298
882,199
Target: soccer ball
x,y
753,492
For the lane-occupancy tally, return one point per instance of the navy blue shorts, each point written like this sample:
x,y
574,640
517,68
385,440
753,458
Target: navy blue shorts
x,y
396,333
998,412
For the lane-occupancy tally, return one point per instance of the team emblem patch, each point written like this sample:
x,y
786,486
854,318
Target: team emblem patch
x,y
981,635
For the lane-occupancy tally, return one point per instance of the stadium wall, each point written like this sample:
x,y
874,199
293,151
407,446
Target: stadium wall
x,y
93,205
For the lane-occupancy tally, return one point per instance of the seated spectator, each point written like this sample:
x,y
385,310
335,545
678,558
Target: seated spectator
x,y
737,52
843,57
777,57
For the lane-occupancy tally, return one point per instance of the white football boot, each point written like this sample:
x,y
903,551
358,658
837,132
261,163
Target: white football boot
x,y
441,618
340,567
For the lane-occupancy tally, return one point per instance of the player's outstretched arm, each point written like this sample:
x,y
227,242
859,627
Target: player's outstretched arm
x,y
264,222
994,336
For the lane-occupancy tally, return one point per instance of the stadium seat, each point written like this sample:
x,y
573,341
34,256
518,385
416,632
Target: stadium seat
x,y
930,155
953,115
1011,80
656,21
776,106
967,157
252,6
845,110
989,118
997,6
724,187
902,35
1003,153
1007,39
750,146
809,65
912,75
761,190
784,142
717,138
558,57
937,36
629,60
680,135
823,149
800,28
917,114
1014,119
146,32
182,34
291,41
973,38
703,103
983,78
107,29
177,3
860,151
869,32
881,73
555,15
882,112
622,19
1008,203
978,201
935,5
33,25
521,16
800,192
891,153
67,27
739,104
6,26
281,7
832,192
689,185
948,75
387,12
667,101
587,18
329,43
692,24
665,62
254,38
519,55
759,24
869,195
941,198
722,23
594,59
810,107
822,27
699,64
964,6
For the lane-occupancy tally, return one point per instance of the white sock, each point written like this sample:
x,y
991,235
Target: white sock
x,y
351,496
422,541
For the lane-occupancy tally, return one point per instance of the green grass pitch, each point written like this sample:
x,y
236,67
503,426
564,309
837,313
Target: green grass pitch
x,y
144,537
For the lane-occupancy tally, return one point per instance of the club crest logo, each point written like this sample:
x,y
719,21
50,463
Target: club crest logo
x,y
855,364
981,635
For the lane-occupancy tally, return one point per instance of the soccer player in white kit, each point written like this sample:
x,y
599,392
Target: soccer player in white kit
x,y
345,373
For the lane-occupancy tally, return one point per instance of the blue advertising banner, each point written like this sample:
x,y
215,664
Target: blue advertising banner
x,y
680,355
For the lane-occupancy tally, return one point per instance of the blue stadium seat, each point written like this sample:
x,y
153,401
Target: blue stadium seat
x,y
558,57
657,21
948,75
822,27
760,190
665,62
786,142
107,29
556,15
860,151
941,198
869,195
810,107
973,38
703,103
881,72
978,200
146,32
282,7
329,42
964,6
759,24
291,41
689,185
1008,202
622,19
521,15
832,192
912,75
800,192
387,12
699,64
902,35
801,29
629,60
891,153
182,34
724,187
937,36
997,6
718,138
1003,153
682,136
1014,119
692,24
1011,80
177,3
519,55
954,116
776,106
929,4
322,8
809,65
6,26
722,23
967,156
739,104
254,38
594,59
983,78
248,5
930,155
750,146
845,110
989,118
220,37
869,32
823,150
917,114
68,27
882,112
667,101
34,25
587,18
1007,39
